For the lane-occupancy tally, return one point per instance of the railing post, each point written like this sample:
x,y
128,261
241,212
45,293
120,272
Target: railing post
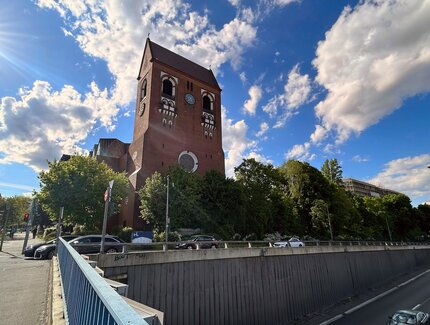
x,y
249,245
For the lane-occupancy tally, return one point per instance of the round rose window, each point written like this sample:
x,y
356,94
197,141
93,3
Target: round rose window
x,y
188,161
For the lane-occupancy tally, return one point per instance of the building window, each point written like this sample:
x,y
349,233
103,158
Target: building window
x,y
188,85
188,161
207,102
191,87
143,90
167,87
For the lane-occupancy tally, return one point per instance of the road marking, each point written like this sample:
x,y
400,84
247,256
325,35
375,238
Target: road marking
x,y
417,306
349,311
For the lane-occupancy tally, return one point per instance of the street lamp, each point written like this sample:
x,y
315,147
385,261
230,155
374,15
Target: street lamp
x,y
166,233
107,198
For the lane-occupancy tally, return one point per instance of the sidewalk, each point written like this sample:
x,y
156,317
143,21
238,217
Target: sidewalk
x,y
24,284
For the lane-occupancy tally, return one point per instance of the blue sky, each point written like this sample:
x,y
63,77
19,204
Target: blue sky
x,y
308,80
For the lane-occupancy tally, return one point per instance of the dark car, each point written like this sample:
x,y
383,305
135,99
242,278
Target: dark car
x,y
91,244
30,249
199,241
47,251
409,317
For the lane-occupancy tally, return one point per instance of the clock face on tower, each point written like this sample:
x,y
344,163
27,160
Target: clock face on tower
x,y
190,99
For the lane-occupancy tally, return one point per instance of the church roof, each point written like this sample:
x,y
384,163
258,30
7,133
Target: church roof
x,y
167,57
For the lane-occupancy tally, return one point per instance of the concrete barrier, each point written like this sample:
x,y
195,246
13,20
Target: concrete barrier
x,y
256,286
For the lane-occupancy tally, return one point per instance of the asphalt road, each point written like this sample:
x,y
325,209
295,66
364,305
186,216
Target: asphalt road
x,y
23,285
416,295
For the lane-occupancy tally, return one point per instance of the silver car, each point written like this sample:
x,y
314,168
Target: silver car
x,y
292,242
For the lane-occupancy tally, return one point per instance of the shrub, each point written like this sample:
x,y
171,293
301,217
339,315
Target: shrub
x,y
123,233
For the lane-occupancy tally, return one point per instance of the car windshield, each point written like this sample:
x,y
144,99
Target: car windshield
x,y
404,318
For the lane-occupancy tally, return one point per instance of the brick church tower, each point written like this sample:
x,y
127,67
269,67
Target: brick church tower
x,y
177,122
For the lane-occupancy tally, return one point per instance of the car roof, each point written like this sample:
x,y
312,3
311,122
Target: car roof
x,y
406,311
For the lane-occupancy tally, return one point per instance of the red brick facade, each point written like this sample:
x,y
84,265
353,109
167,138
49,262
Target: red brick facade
x,y
166,125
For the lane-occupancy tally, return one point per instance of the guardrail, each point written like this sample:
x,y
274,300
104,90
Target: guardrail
x,y
87,298
157,246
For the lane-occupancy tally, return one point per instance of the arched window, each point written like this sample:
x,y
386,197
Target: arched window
x,y
143,91
167,87
207,103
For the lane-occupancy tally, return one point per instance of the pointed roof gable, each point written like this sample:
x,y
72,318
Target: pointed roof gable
x,y
167,57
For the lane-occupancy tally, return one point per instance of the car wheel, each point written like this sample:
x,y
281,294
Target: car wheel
x,y
189,247
213,246
50,255
300,245
111,250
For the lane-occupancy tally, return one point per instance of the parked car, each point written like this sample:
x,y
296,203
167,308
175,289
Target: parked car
x,y
292,242
91,244
413,317
31,249
202,241
47,251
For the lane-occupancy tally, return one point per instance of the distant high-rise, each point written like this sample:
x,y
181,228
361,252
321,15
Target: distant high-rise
x,y
365,189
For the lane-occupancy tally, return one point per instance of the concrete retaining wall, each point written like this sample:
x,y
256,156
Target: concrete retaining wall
x,y
255,286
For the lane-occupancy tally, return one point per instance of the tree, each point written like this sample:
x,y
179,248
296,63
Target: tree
x,y
320,219
78,185
18,206
259,182
304,184
223,201
184,200
332,171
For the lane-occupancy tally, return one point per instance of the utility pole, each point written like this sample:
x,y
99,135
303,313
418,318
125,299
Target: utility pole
x,y
107,198
167,214
28,226
388,227
59,227
5,224
329,223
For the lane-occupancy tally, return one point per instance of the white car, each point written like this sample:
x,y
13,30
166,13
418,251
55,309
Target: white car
x,y
292,242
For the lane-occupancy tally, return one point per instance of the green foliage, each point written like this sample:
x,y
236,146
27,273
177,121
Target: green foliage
x,y
294,198
78,185
174,236
18,206
332,171
123,232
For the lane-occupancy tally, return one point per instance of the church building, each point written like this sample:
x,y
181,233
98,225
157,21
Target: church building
x,y
177,121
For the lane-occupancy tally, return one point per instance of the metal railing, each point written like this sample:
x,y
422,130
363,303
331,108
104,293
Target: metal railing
x,y
87,298
157,246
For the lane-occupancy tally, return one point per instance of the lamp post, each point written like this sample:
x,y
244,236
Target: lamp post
x,y
329,223
107,198
167,214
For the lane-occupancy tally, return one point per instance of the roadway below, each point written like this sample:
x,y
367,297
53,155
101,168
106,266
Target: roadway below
x,y
412,295
24,284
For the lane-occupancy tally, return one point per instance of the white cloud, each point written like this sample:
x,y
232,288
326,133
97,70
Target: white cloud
x,y
375,56
300,152
43,123
319,134
250,104
242,77
263,129
296,93
408,175
234,3
115,32
283,3
235,142
259,157
359,159
297,89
